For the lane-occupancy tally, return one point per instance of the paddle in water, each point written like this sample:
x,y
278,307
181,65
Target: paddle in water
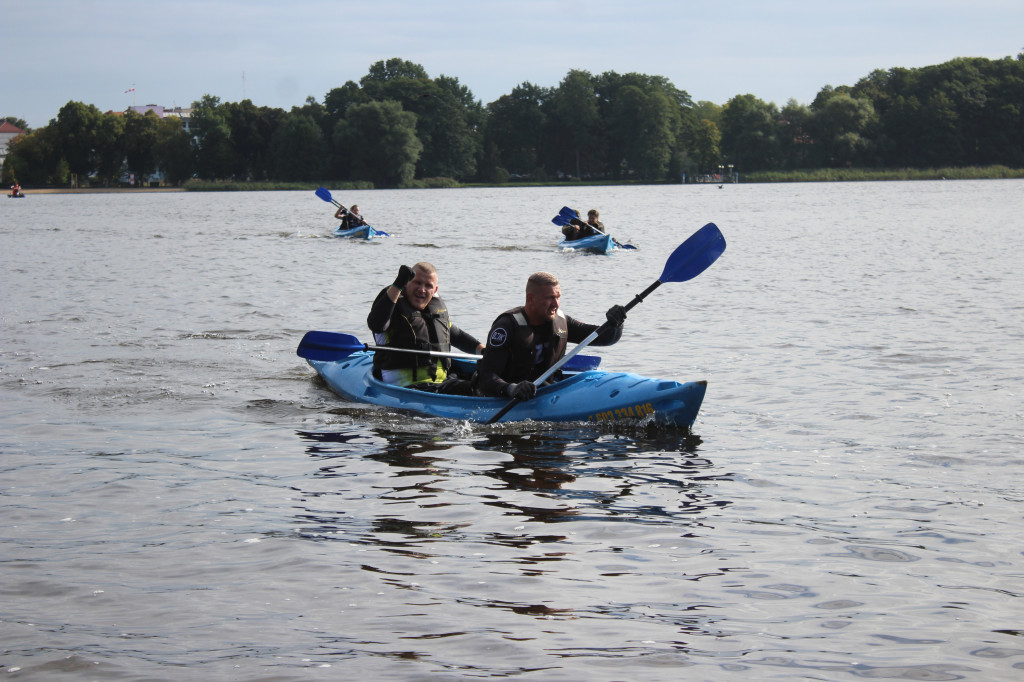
x,y
335,346
326,196
690,258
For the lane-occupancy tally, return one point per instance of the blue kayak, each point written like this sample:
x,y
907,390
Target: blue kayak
x,y
361,232
588,396
596,243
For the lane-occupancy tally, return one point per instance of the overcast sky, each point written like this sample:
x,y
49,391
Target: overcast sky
x,y
277,53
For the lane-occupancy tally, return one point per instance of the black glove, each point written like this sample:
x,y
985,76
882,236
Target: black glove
x,y
616,315
524,390
405,275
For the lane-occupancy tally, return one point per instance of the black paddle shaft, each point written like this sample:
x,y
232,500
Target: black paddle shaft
x,y
642,295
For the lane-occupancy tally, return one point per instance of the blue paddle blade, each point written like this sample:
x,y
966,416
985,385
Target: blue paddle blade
x,y
568,213
317,345
559,220
325,195
582,363
695,255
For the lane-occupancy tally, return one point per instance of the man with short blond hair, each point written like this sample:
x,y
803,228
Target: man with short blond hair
x,y
526,341
409,314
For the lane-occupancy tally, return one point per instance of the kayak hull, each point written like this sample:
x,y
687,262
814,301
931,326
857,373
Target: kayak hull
x,y
361,232
590,396
595,243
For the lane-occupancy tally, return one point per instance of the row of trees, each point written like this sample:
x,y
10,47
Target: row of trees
x,y
398,124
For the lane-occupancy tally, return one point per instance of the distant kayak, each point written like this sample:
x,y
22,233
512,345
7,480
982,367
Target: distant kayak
x,y
361,232
595,243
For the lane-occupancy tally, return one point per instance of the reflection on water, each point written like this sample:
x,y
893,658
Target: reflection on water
x,y
429,494
461,519
539,476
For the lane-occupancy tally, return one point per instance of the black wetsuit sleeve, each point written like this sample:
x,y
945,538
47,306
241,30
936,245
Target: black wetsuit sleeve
x,y
580,330
464,341
380,312
496,358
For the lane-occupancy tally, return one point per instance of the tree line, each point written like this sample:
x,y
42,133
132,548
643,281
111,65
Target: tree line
x,y
397,125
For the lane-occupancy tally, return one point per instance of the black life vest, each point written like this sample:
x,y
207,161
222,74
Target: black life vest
x,y
427,329
525,366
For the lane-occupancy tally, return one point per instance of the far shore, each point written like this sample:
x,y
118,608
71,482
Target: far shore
x,y
758,177
100,190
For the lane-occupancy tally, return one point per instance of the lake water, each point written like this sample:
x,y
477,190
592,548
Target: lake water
x,y
182,498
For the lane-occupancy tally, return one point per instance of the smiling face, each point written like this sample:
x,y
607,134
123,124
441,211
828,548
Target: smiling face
x,y
542,303
421,288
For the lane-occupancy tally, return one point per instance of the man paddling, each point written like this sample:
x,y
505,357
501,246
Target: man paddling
x,y
410,314
525,341
349,217
577,229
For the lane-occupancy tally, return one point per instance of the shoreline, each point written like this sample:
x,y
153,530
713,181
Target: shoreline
x,y
753,178
100,190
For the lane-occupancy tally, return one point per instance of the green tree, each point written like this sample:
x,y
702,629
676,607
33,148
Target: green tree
x,y
658,123
383,72
750,133
795,135
77,125
575,126
313,109
251,129
704,110
379,139
447,116
298,150
214,151
515,127
940,126
32,158
968,111
174,150
843,127
649,124
140,141
110,149
451,123
707,150
338,100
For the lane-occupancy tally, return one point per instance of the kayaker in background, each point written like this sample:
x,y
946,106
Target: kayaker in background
x,y
525,341
349,217
577,229
410,314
